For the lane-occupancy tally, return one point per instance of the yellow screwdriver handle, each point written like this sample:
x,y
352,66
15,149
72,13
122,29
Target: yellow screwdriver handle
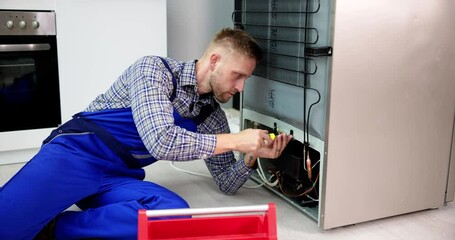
x,y
272,136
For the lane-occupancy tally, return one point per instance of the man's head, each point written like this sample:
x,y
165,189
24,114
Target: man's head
x,y
239,41
229,60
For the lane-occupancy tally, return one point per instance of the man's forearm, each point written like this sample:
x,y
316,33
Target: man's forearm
x,y
250,160
224,143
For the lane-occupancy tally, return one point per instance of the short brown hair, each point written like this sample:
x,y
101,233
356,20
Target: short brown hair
x,y
240,41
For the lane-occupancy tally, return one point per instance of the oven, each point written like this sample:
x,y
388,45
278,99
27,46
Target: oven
x,y
29,79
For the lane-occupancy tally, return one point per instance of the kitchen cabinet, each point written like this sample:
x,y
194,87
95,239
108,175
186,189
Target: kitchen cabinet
x,y
96,41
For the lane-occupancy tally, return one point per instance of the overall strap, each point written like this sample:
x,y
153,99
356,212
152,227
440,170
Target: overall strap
x,y
205,111
174,81
115,145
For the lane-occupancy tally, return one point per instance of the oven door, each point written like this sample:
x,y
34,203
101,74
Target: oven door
x,y
29,84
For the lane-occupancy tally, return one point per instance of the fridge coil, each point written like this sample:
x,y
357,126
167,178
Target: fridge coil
x,y
285,35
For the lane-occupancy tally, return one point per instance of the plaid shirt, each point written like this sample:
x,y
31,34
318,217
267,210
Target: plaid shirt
x,y
146,87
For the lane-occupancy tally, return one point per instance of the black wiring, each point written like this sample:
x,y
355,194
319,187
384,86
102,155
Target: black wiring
x,y
307,121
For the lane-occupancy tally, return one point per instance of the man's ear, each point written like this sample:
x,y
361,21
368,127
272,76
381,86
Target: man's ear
x,y
214,59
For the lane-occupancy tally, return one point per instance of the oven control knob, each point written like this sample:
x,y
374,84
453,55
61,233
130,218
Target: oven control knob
x,y
35,24
10,24
22,24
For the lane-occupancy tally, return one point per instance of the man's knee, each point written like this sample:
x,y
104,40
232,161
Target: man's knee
x,y
169,200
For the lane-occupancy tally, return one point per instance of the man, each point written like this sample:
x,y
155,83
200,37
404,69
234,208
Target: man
x,y
159,108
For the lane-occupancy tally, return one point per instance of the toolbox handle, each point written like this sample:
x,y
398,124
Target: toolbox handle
x,y
205,211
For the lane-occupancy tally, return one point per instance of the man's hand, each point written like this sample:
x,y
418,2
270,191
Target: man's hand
x,y
251,140
271,150
275,148
256,141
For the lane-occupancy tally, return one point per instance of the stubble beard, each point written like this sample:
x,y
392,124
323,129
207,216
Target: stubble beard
x,y
221,97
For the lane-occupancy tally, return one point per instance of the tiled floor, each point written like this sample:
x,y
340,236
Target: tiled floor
x,y
437,224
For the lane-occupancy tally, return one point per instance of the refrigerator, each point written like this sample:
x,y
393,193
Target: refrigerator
x,y
367,89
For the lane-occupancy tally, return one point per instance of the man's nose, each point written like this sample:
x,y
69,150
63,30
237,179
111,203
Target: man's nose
x,y
240,85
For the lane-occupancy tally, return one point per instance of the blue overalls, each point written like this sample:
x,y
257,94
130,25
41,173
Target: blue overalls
x,y
95,160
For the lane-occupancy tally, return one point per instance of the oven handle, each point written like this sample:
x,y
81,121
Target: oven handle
x,y
24,47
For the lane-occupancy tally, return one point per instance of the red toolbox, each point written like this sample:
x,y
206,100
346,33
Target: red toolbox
x,y
256,222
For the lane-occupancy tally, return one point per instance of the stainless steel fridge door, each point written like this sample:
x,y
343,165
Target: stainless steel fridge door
x,y
392,103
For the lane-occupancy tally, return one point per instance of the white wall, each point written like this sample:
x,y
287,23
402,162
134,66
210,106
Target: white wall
x,y
28,4
98,39
192,24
